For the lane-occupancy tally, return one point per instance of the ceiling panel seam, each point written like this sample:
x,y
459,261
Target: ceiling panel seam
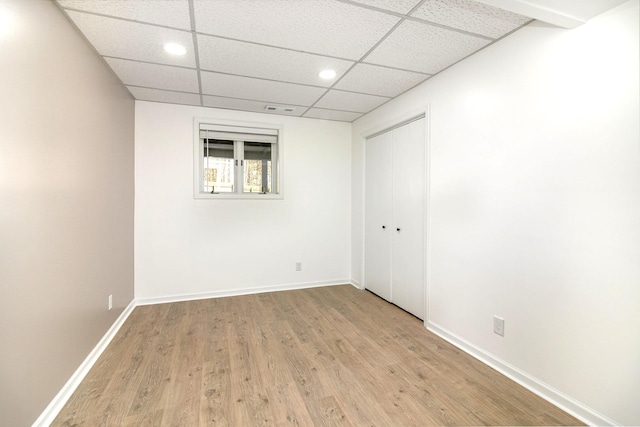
x,y
261,78
397,24
360,61
251,66
253,99
264,78
277,103
196,53
163,90
120,58
382,39
193,30
413,18
135,21
481,49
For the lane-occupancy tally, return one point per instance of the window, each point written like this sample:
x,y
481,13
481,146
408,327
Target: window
x,y
237,160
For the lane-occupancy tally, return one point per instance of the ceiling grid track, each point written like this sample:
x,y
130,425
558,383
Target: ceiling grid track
x,y
249,55
360,61
408,17
192,17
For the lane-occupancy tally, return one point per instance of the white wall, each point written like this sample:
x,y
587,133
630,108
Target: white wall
x,y
66,204
187,246
535,206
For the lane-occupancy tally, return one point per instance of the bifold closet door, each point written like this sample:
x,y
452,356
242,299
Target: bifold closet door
x,y
407,249
378,219
395,216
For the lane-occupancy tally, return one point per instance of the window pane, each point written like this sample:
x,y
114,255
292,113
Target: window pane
x,y
257,167
219,168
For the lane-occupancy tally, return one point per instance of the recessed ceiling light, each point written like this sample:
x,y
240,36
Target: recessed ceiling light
x,y
327,74
174,49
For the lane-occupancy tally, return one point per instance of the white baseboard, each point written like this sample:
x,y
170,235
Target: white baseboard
x,y
559,399
356,284
58,402
236,292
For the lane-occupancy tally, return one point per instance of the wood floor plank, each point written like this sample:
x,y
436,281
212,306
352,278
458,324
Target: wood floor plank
x,y
466,382
216,400
323,356
459,413
145,419
396,406
304,372
247,389
367,359
328,412
364,384
287,405
184,387
357,397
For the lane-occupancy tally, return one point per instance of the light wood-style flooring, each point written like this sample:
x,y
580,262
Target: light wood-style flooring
x,y
323,356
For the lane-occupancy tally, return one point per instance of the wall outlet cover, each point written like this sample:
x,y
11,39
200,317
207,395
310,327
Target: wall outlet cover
x,y
498,325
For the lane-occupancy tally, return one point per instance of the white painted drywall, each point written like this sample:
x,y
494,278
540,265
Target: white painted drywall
x,y
66,204
186,246
535,205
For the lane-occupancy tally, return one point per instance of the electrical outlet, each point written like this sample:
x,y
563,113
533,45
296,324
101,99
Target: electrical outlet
x,y
110,302
298,266
498,325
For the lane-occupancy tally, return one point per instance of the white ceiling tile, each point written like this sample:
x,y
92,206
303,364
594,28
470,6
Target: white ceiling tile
x,y
155,76
349,101
565,14
341,116
400,6
470,16
171,13
377,80
131,40
258,52
246,105
424,48
326,27
248,59
146,94
259,90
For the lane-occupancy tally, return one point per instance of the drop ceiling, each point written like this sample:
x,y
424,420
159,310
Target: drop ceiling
x,y
250,54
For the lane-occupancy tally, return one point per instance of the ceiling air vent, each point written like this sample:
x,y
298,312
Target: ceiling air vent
x,y
279,109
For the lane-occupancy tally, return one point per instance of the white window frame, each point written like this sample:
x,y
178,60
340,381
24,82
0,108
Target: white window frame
x,y
198,159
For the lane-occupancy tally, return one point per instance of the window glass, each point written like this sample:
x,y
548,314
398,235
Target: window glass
x,y
257,167
218,167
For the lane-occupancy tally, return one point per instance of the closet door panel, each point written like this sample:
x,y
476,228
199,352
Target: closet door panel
x,y
408,191
378,211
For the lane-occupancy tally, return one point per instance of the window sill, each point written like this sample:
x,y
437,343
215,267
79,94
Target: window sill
x,y
244,196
